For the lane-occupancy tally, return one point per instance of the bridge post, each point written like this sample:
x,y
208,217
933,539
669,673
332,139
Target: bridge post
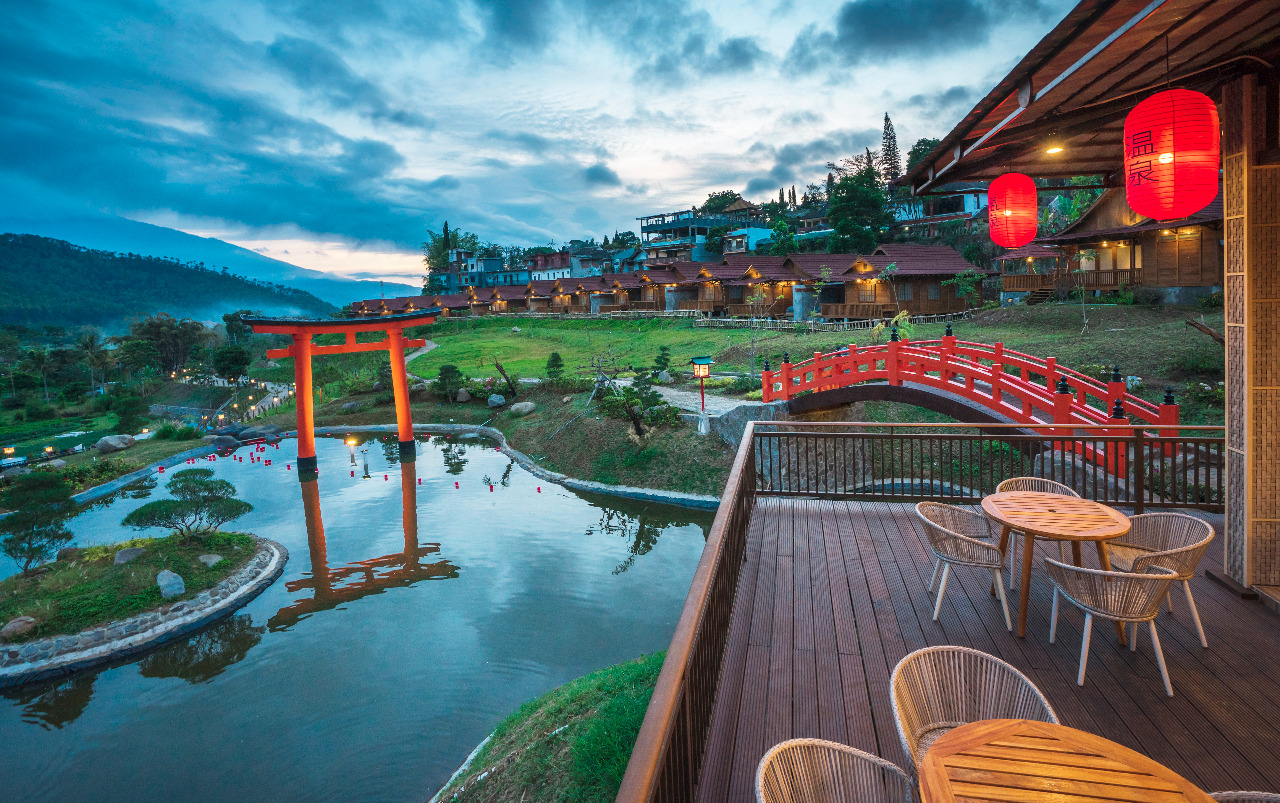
x,y
1118,450
891,361
948,351
851,357
1050,373
766,384
997,373
1168,417
786,375
1062,413
1116,388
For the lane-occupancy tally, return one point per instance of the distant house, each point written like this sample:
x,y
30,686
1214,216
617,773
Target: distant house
x,y
954,203
543,267
740,241
626,260
813,224
1114,245
588,262
916,284
681,236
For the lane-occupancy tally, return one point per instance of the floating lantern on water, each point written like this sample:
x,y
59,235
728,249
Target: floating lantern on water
x,y
1012,210
1171,154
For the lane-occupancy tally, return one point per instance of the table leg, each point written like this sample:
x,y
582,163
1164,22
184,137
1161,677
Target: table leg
x,y
1105,563
1024,598
1075,553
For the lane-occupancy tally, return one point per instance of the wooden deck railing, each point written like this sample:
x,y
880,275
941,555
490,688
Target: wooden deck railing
x,y
667,758
702,306
1149,467
1088,279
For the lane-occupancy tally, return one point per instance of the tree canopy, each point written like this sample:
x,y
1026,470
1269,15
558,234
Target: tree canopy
x,y
201,504
921,149
34,531
859,212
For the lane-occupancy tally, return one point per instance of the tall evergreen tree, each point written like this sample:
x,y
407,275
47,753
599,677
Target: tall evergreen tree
x,y
890,159
445,237
793,195
782,196
831,182
869,163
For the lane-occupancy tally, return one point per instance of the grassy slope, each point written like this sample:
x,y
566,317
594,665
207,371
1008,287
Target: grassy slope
x,y
571,744
90,590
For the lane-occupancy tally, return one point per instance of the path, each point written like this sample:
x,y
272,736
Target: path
x,y
690,400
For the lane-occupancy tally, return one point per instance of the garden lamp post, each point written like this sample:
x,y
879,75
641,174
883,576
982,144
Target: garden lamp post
x,y
702,370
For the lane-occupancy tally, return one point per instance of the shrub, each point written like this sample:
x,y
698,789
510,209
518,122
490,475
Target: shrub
x,y
1204,393
1199,362
129,412
449,381
200,505
1147,296
1212,301
555,366
174,432
37,410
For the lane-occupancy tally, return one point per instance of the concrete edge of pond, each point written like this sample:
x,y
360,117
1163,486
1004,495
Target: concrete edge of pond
x,y
107,488
698,501
56,656
466,765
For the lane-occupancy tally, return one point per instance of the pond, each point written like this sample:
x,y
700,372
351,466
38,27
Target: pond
x,y
421,604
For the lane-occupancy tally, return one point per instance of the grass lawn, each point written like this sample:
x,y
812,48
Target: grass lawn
x,y
570,745
30,437
183,394
90,590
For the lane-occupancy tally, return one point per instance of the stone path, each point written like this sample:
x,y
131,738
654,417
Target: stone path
x,y
408,358
689,399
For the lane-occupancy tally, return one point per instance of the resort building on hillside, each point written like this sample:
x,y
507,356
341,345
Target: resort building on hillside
x,y
795,287
1115,246
681,236
465,269
748,238
588,262
548,266
626,260
956,203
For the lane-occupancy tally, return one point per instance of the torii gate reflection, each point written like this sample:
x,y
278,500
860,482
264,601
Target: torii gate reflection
x,y
332,587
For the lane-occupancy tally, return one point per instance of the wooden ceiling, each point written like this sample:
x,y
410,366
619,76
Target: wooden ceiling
x,y
1073,89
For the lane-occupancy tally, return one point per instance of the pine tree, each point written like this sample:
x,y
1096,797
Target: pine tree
x,y
890,159
869,162
782,196
793,195
605,242
445,237
831,183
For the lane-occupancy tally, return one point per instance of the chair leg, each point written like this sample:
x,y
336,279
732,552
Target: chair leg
x,y
1133,642
1004,600
1168,600
933,581
1195,614
1053,621
942,589
1164,670
1084,647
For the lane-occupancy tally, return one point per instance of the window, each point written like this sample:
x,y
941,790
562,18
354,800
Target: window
x,y
935,292
904,292
867,293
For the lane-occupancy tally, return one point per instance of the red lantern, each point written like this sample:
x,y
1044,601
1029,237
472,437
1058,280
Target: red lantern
x,y
1171,154
1012,210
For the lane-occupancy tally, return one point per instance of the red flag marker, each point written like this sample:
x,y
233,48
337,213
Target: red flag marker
x,y
490,489
539,489
455,485
353,473
288,466
162,469
419,480
384,476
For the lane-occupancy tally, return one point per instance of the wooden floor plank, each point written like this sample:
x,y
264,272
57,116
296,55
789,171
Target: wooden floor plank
x,y
833,594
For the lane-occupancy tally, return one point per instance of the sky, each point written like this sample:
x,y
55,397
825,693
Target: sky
x,y
334,134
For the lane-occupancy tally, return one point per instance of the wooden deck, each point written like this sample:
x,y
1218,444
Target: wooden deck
x,y
833,594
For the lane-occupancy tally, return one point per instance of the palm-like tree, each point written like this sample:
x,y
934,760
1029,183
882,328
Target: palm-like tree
x,y
90,345
39,360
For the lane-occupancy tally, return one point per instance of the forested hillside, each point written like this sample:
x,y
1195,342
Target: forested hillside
x,y
52,282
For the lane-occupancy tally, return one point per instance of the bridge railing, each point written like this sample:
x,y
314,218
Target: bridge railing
x,y
1022,387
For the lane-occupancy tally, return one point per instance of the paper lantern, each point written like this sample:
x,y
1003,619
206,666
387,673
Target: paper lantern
x,y
1012,210
1171,154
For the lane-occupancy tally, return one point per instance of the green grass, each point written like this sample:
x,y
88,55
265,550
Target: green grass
x,y
571,745
30,437
90,590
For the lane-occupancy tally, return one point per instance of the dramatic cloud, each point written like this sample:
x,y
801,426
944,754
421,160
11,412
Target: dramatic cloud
x,y
337,132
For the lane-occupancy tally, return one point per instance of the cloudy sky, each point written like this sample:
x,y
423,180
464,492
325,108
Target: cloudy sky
x,y
334,133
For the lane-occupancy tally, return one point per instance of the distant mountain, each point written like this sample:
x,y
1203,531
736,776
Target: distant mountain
x,y
126,236
47,282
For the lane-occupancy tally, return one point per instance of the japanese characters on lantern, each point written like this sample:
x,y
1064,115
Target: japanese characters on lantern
x,y
1171,154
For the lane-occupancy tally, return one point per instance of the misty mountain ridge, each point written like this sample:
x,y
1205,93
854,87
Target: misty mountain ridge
x,y
121,235
46,282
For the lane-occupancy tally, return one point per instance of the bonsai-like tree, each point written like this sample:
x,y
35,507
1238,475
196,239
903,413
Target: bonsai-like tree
x,y
200,505
35,531
449,382
555,366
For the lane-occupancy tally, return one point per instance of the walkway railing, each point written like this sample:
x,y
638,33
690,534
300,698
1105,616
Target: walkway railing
x,y
1179,468
1019,386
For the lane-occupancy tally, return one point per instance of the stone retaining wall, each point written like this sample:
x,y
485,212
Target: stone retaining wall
x,y
60,655
699,501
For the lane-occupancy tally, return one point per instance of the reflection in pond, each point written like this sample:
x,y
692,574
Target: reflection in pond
x,y
53,704
204,656
641,530
332,587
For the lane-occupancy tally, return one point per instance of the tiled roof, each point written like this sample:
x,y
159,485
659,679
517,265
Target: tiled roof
x,y
1030,251
812,264
918,260
1074,233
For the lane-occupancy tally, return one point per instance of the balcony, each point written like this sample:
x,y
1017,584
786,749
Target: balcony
x,y
814,583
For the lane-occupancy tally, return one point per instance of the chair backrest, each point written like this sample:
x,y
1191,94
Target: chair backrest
x,y
1246,797
815,769
1037,484
945,687
958,534
1127,596
1175,540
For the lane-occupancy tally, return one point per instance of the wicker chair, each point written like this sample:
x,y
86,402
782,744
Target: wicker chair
x,y
1037,485
962,537
1119,596
818,770
1246,797
940,688
1173,541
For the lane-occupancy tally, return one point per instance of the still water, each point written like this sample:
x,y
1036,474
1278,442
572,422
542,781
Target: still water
x,y
412,617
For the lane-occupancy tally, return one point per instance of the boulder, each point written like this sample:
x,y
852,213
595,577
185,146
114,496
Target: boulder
x,y
210,560
126,555
566,400
210,438
377,386
350,407
259,431
523,408
171,584
113,443
16,471
463,395
515,328
497,400
229,429
224,442
59,463
664,378
17,627
420,386
70,553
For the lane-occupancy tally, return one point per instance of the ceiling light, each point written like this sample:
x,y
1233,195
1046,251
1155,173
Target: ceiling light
x,y
1054,149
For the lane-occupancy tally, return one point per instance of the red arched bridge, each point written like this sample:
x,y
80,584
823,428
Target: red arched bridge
x,y
988,378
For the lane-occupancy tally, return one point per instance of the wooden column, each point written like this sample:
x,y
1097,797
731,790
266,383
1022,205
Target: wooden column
x,y
400,388
306,403
1251,198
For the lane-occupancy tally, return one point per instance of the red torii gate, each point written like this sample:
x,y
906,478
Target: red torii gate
x,y
302,350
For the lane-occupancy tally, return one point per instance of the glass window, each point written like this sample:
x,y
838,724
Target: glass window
x,y
935,292
904,292
867,293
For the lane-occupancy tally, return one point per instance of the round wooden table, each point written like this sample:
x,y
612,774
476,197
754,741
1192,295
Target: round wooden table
x,y
1061,518
1025,761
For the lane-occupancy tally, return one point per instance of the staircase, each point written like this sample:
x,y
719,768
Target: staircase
x,y
1040,296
